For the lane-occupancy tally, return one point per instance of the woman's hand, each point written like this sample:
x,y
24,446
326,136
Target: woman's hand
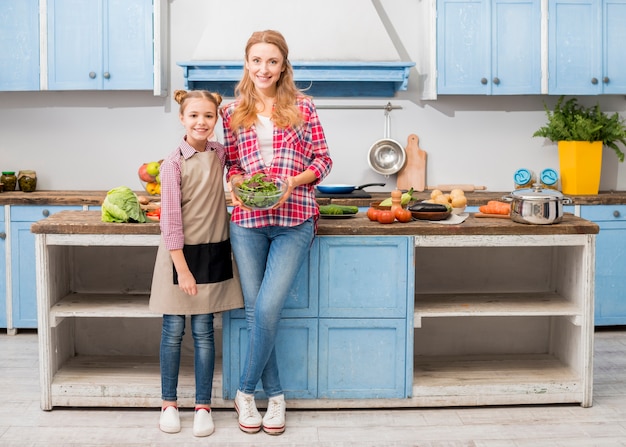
x,y
291,185
236,180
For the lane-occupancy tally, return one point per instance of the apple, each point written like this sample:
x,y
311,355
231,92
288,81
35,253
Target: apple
x,y
143,173
153,168
158,179
153,188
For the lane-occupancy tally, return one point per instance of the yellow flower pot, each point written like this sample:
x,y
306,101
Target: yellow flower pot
x,y
580,165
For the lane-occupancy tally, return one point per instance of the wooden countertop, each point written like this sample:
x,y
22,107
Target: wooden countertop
x,y
95,198
89,222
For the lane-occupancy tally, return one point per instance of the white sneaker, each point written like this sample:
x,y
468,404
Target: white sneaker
x,y
169,422
203,422
249,417
274,419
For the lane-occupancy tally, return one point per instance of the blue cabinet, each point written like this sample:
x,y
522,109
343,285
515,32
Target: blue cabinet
x,y
489,47
610,295
23,271
346,324
586,52
3,271
100,45
19,45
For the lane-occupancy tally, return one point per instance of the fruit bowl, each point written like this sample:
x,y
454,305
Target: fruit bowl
x,y
150,178
259,191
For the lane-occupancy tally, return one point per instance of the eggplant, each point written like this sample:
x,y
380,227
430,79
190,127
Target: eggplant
x,y
425,207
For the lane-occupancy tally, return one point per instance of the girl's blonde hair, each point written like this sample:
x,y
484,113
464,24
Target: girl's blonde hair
x,y
285,112
182,97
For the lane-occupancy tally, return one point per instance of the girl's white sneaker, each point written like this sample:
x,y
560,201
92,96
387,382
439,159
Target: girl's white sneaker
x,y
203,422
169,422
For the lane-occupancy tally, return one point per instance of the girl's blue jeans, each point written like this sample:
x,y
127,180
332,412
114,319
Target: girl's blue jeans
x,y
268,260
204,355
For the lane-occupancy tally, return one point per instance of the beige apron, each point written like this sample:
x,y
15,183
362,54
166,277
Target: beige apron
x,y
205,223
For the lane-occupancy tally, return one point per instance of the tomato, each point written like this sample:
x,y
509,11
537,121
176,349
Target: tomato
x,y
372,214
386,217
403,215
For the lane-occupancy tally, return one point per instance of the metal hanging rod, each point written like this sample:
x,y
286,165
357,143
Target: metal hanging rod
x,y
387,107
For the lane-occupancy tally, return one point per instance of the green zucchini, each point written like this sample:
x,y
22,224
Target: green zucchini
x,y
338,209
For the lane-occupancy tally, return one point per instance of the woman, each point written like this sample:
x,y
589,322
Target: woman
x,y
271,127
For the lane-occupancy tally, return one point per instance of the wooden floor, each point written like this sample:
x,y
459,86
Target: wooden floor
x,y
22,423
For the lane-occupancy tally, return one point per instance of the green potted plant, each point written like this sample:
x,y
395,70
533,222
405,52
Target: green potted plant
x,y
580,133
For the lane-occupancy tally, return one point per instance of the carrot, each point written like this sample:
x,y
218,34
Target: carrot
x,y
495,207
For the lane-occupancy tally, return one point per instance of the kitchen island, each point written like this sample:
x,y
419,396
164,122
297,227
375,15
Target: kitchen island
x,y
487,312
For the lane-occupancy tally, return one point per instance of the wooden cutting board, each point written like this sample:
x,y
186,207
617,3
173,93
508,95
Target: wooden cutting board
x,y
413,174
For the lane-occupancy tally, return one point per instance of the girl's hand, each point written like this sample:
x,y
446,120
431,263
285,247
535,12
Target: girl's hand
x,y
187,283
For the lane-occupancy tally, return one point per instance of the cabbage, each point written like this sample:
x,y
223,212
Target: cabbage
x,y
122,205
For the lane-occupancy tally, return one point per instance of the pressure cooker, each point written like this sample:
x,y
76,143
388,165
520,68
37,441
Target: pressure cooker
x,y
536,205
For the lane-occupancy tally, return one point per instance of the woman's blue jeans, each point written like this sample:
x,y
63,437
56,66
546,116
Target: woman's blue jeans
x,y
204,355
268,260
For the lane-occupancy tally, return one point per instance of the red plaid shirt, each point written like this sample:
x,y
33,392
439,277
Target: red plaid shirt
x,y
295,150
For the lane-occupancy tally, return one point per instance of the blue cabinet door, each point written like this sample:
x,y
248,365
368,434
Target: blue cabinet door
x,y
3,271
574,47
365,277
489,47
19,45
613,38
610,295
103,44
296,351
364,359
23,268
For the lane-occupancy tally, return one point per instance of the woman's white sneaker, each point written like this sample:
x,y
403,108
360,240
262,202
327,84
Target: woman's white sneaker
x,y
169,422
249,417
203,422
274,419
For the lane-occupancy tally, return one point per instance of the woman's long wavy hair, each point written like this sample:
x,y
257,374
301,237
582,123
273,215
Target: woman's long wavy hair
x,y
285,112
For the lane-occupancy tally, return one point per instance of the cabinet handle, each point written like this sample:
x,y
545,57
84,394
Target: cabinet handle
x,y
616,213
483,81
92,74
594,81
605,79
45,213
107,75
3,235
496,80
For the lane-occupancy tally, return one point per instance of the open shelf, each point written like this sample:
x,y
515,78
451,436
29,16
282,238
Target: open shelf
x,y
124,381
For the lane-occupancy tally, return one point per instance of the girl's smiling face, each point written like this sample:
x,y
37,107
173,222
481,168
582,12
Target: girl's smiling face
x,y
199,119
265,65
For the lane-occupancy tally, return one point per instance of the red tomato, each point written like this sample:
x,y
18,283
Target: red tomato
x,y
372,214
403,215
386,217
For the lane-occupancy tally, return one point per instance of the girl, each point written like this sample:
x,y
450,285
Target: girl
x,y
271,127
194,272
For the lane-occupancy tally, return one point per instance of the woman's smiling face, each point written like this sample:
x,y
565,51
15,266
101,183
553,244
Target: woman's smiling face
x,y
265,64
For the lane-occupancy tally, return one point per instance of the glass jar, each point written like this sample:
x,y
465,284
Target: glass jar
x,y
523,178
549,178
27,180
9,180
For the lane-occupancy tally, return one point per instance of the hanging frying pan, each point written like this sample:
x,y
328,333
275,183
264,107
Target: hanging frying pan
x,y
386,156
343,189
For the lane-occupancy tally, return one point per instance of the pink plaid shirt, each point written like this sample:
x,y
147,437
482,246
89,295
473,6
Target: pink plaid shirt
x,y
295,150
171,213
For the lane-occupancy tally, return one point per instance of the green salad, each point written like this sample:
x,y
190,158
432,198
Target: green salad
x,y
259,191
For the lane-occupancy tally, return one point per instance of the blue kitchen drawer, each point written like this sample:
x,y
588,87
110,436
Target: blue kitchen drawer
x,y
350,281
296,351
33,213
604,213
364,359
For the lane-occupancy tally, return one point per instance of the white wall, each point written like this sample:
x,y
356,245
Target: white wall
x,y
96,140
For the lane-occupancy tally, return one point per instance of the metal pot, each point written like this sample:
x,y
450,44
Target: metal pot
x,y
386,156
537,206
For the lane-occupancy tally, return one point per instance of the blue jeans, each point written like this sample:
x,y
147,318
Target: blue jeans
x,y
268,259
204,355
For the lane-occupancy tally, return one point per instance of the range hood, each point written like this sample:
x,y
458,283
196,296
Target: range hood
x,y
316,78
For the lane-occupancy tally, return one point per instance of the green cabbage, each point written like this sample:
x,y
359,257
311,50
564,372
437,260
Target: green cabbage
x,y
122,205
